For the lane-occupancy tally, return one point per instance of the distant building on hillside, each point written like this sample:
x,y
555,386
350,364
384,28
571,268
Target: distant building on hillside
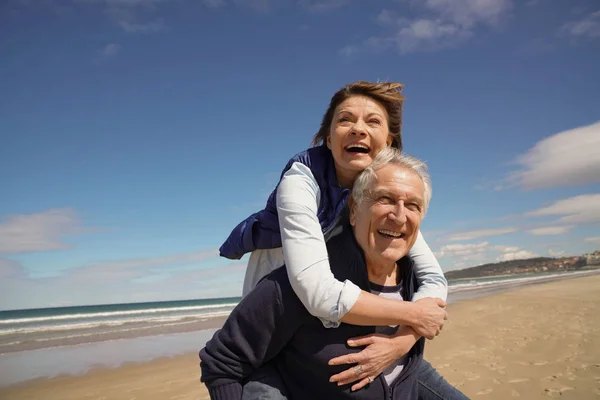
x,y
592,258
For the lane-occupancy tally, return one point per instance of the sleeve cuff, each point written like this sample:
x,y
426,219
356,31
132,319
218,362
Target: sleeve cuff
x,y
437,292
230,391
348,297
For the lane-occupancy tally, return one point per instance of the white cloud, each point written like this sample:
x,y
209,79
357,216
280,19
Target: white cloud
x,y
138,281
453,250
438,24
10,269
322,5
593,239
517,255
478,234
148,27
139,267
256,5
551,230
588,26
110,50
569,158
468,13
39,232
349,50
574,210
214,3
556,253
468,255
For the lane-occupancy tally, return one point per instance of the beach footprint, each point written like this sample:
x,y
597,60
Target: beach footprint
x,y
519,380
557,392
471,376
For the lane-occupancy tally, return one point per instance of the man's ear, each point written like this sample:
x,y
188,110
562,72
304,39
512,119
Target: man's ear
x,y
352,207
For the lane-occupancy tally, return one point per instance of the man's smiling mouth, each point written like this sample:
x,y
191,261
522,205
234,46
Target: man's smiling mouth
x,y
390,234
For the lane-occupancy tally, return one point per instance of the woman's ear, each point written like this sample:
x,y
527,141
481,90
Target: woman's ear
x,y
328,141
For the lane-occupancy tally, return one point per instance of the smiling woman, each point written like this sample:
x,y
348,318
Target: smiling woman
x,y
359,131
363,118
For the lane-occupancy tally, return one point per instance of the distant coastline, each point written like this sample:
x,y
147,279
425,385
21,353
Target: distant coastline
x,y
515,268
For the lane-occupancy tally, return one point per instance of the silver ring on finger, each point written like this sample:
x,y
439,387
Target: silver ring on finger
x,y
370,379
358,369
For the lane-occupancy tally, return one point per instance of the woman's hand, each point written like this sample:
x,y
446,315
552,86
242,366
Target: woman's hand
x,y
381,351
430,318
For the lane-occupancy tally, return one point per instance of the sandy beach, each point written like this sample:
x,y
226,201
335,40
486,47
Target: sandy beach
x,y
535,342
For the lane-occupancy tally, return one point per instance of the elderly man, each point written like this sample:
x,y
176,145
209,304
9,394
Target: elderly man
x,y
369,247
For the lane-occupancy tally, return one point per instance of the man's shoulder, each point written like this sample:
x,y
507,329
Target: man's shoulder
x,y
278,283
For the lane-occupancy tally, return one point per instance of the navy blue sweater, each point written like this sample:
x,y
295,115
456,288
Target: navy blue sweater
x,y
261,230
271,324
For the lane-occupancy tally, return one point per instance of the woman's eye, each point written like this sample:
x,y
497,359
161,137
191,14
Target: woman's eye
x,y
375,122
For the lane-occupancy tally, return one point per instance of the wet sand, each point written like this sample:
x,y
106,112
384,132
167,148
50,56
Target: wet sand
x,y
536,342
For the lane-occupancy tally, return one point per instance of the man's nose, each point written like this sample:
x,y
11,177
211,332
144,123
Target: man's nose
x,y
398,213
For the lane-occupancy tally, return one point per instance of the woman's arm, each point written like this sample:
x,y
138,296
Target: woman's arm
x,y
254,333
428,271
310,275
304,249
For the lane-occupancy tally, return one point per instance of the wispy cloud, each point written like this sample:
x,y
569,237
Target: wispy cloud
x,y
10,269
551,230
214,3
592,239
556,253
322,5
147,27
44,231
481,233
574,210
569,158
110,50
476,253
256,5
438,24
462,249
588,26
517,255
138,267
147,279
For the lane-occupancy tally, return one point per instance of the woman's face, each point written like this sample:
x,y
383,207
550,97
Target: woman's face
x,y
359,131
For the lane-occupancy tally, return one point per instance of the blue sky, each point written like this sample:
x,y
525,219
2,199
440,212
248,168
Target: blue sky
x,y
135,134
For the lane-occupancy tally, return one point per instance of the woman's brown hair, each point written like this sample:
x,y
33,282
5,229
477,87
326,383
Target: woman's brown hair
x,y
388,94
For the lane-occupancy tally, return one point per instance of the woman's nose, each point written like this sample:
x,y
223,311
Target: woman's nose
x,y
359,128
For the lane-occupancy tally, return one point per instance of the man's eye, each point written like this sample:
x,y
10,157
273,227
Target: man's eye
x,y
413,207
386,200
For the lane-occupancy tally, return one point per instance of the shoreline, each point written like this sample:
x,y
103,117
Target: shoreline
x,y
194,326
527,354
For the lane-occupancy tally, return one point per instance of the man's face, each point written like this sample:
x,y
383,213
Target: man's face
x,y
386,223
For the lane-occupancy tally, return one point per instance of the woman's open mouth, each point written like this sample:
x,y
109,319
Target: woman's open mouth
x,y
357,148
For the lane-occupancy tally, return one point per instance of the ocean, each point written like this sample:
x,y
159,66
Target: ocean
x,y
49,327
32,342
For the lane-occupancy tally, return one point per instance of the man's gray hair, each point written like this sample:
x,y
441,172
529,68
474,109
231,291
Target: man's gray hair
x,y
366,179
